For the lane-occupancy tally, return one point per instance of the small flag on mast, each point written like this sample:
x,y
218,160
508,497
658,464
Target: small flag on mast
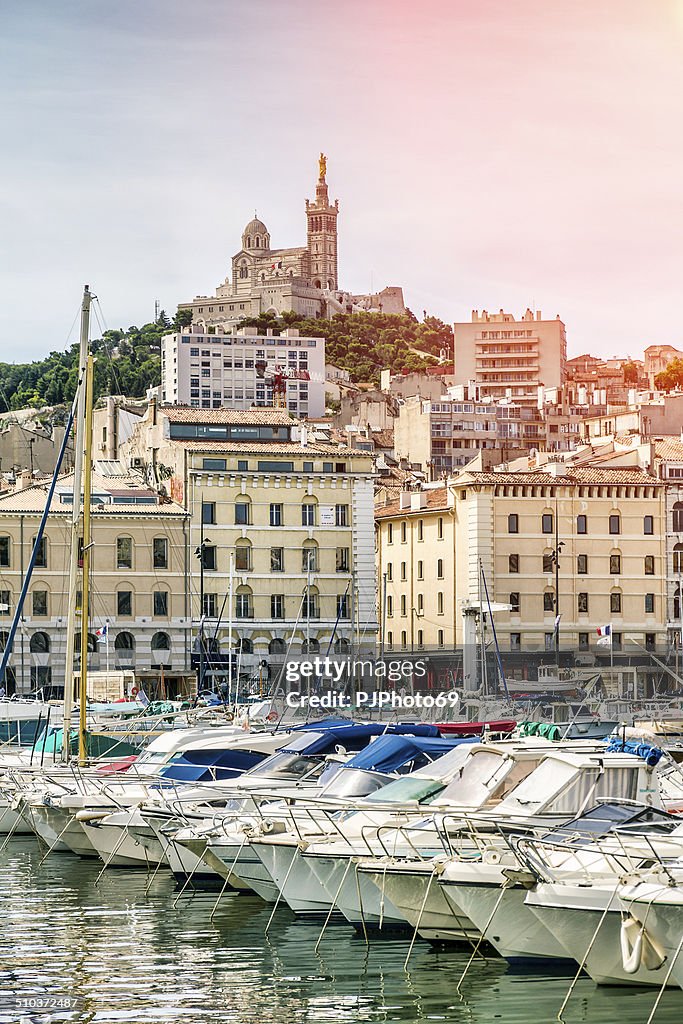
x,y
103,631
604,635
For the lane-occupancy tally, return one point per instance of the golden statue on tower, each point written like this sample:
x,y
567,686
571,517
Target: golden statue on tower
x,y
322,166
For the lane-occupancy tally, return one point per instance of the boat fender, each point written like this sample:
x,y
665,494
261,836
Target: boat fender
x,y
638,948
491,856
91,815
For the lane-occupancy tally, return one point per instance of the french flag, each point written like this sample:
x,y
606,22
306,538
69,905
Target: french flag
x,y
103,631
604,630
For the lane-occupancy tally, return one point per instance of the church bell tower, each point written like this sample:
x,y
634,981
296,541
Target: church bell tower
x,y
322,233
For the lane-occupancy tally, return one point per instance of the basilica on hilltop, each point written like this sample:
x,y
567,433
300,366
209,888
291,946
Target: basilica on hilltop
x,y
303,279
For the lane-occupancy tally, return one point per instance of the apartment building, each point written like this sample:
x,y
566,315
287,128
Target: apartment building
x,y
510,358
138,583
605,527
292,519
445,435
236,368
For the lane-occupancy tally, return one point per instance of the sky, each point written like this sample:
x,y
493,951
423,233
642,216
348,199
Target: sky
x,y
485,153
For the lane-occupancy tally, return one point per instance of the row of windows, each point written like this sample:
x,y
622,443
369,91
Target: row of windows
x,y
615,602
549,563
40,603
420,570
271,466
309,553
124,553
548,520
584,641
440,640
39,642
280,605
276,514
306,607
419,528
419,606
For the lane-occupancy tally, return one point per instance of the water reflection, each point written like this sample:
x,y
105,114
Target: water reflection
x,y
129,956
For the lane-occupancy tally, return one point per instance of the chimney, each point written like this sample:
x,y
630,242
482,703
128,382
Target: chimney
x,y
418,500
404,500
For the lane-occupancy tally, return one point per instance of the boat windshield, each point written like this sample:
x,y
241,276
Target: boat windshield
x,y
473,784
285,765
354,782
408,788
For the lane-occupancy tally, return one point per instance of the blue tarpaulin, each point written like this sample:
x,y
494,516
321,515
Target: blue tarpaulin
x,y
649,754
388,753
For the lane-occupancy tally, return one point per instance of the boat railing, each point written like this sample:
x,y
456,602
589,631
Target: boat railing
x,y
535,853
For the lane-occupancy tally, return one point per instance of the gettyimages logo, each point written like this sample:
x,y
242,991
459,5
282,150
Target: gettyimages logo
x,y
375,685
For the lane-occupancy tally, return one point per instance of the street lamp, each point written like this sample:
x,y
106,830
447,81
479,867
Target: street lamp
x,y
555,559
199,552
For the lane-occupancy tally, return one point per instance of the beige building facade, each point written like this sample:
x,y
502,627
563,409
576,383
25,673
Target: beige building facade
x,y
289,519
138,583
610,528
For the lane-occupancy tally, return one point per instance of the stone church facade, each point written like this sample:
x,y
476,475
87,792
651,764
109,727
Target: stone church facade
x,y
303,279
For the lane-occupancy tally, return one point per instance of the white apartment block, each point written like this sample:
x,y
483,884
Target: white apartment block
x,y
510,358
226,369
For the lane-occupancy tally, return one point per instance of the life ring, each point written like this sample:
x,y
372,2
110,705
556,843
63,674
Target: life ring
x,y
134,692
272,717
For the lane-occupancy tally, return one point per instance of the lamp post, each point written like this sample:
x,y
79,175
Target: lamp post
x,y
199,552
555,559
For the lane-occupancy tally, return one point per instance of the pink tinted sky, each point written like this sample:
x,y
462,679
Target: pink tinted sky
x,y
485,154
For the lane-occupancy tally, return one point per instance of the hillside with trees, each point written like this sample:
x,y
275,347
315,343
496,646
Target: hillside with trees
x,y
129,359
365,343
128,362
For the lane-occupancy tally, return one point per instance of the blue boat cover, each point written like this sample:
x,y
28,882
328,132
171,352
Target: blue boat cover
x,y
388,753
649,754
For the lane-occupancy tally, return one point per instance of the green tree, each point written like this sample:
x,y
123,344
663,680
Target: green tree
x,y
671,378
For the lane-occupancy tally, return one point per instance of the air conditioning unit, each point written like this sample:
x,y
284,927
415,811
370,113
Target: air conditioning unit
x,y
137,463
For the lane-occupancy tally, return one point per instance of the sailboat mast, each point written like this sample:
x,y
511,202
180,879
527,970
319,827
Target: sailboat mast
x,y
75,523
85,603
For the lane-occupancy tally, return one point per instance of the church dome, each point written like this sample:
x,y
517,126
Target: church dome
x,y
255,235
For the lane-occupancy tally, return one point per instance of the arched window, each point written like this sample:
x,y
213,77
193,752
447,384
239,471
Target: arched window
x,y
257,242
678,558
244,646
247,242
310,647
243,510
311,604
124,552
41,552
677,604
615,602
4,638
161,642
342,646
678,517
92,643
39,643
317,284
308,514
160,603
277,646
244,603
309,556
243,269
124,641
243,555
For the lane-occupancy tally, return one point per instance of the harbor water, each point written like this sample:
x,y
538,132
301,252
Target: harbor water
x,y
128,948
